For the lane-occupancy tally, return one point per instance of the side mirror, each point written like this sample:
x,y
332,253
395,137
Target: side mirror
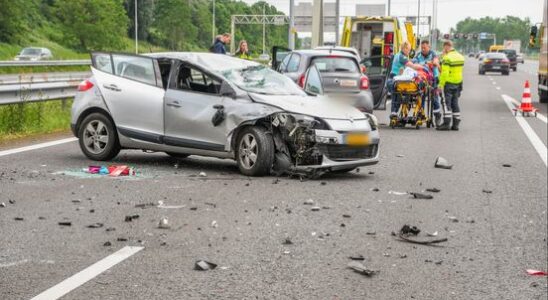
x,y
226,90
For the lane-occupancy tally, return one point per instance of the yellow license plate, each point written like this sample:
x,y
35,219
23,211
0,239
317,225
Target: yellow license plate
x,y
357,139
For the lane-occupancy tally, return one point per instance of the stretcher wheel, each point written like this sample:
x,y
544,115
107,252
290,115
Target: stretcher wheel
x,y
535,114
417,127
428,124
515,113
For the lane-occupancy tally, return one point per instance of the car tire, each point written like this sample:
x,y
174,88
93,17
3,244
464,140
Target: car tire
x,y
178,155
98,138
543,96
506,73
515,69
254,142
481,72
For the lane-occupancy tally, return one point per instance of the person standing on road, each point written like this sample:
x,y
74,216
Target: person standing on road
x,y
243,51
219,46
399,62
425,56
451,84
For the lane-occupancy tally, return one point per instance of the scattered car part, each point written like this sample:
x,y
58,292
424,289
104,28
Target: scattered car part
x,y
409,230
360,268
164,223
442,163
65,223
433,190
421,196
202,265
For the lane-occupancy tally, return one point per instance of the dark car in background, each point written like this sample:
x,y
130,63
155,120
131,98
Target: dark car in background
x,y
512,57
494,62
341,74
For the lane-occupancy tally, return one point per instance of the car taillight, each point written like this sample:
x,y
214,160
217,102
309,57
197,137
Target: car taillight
x,y
300,82
85,85
364,83
363,69
505,61
487,61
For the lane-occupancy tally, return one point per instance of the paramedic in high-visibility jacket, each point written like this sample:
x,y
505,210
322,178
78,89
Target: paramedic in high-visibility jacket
x,y
451,83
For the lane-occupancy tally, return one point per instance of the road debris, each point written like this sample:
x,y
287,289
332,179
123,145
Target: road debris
x,y
144,205
371,233
453,219
107,244
400,155
287,241
357,257
442,163
202,265
276,181
487,191
131,218
433,190
162,205
214,224
536,272
409,230
19,218
202,174
11,201
346,216
375,189
309,202
112,170
65,223
435,233
397,193
95,225
360,268
507,165
315,208
421,196
122,239
164,223
2,204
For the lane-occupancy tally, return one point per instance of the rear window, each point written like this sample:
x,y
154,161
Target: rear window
x,y
496,55
508,51
335,64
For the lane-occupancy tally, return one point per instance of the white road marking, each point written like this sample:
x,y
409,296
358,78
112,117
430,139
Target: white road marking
x,y
37,146
517,103
531,135
78,279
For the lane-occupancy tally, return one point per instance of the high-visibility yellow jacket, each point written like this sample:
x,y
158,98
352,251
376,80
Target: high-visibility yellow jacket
x,y
243,55
451,68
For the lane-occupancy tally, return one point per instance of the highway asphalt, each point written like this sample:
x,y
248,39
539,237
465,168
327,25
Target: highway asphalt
x,y
494,217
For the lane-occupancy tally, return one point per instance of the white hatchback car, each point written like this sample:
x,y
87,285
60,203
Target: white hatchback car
x,y
220,106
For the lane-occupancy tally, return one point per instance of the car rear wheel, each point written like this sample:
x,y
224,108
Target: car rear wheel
x,y
254,151
481,72
515,69
506,73
98,138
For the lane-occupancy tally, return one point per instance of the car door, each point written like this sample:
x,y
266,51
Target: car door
x,y
293,69
132,89
278,55
192,101
377,70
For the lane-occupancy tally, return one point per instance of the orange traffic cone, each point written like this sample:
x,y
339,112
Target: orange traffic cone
x,y
526,106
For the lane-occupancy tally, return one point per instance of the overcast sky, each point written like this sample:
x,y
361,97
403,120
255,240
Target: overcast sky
x,y
449,11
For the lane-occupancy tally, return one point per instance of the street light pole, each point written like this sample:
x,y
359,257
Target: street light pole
x,y
136,31
291,33
418,23
388,6
264,27
337,19
213,23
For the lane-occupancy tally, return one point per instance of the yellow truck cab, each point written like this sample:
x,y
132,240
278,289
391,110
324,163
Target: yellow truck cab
x,y
376,38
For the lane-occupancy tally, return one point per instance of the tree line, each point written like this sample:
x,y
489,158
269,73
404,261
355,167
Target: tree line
x,y
507,28
179,25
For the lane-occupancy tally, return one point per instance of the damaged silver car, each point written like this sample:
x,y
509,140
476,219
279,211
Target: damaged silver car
x,y
215,105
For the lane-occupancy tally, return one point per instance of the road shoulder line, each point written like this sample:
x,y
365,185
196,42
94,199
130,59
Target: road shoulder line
x,y
531,135
78,279
37,146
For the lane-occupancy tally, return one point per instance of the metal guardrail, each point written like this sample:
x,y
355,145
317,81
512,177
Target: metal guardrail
x,y
39,87
44,63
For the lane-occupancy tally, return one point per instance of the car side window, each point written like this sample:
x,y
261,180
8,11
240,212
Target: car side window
x,y
313,84
134,67
293,64
192,79
102,62
283,65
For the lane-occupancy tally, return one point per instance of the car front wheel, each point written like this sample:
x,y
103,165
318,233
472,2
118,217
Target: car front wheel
x,y
254,151
98,138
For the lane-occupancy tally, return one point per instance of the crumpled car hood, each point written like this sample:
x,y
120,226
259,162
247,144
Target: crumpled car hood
x,y
319,106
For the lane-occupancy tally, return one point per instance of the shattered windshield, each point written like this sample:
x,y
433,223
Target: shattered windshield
x,y
262,80
31,51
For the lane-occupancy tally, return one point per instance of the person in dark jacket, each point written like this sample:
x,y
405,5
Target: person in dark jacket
x,y
219,46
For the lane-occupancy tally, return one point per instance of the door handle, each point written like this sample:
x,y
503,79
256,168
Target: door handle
x,y
174,103
112,87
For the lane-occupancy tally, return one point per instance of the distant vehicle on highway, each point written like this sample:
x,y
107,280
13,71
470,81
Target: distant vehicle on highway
x,y
512,57
340,48
220,106
471,54
33,53
479,54
341,74
519,58
494,62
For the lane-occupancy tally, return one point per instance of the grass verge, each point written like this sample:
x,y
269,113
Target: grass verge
x,y
31,118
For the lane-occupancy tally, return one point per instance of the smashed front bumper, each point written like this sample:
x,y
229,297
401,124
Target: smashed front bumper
x,y
338,155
